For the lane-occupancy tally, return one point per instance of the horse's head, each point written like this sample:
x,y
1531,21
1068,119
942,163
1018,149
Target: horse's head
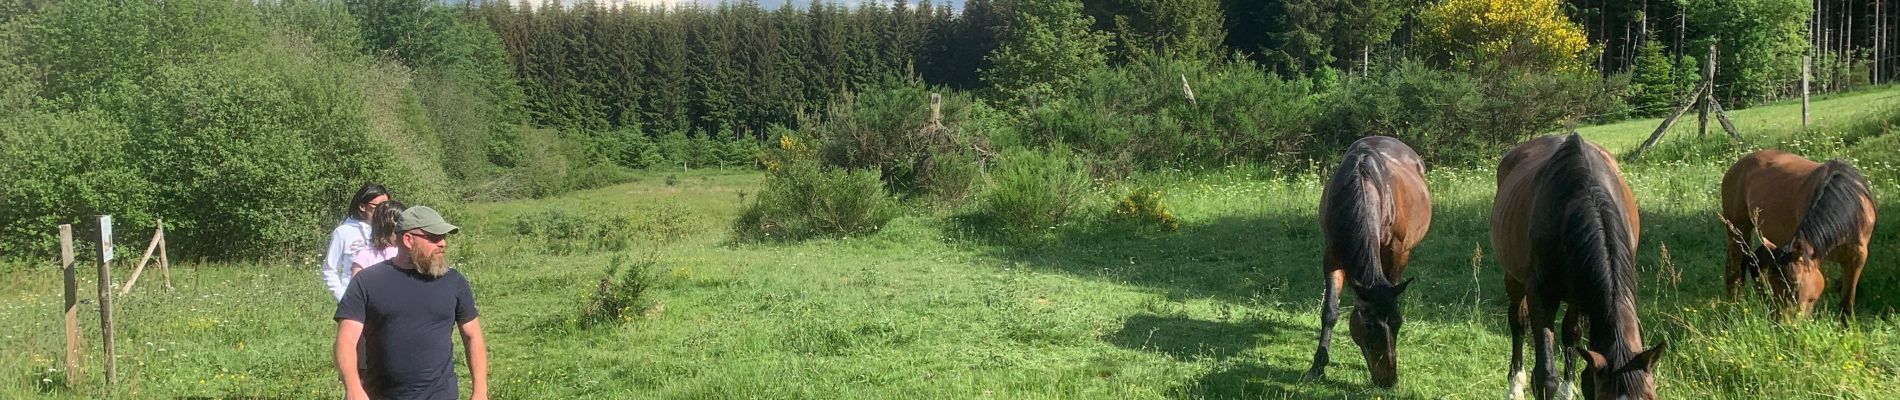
x,y
1632,380
1375,328
1793,275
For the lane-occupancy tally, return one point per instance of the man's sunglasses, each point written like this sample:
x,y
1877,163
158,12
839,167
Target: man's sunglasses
x,y
429,237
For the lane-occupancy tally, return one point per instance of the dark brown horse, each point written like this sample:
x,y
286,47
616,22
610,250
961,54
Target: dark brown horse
x,y
1374,210
1564,227
1815,212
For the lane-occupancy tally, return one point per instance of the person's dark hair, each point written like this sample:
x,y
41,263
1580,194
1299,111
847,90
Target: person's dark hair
x,y
363,196
382,231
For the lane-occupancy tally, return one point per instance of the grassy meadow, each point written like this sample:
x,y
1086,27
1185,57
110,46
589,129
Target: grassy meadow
x,y
929,307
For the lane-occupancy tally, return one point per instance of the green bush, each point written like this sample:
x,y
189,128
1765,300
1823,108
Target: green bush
x,y
61,169
803,199
544,165
561,231
888,130
1036,189
1140,114
267,136
623,293
1454,117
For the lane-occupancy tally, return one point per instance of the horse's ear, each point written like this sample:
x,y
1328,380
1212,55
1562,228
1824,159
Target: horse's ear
x,y
1592,360
1400,289
1357,291
1646,360
1801,247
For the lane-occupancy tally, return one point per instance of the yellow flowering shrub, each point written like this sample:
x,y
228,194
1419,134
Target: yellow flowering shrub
x,y
1518,34
1144,207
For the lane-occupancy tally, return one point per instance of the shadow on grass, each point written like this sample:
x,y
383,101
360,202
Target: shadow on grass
x,y
1269,260
1186,338
1272,380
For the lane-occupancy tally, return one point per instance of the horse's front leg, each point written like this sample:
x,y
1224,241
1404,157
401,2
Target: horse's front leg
x,y
1851,262
1573,331
1328,316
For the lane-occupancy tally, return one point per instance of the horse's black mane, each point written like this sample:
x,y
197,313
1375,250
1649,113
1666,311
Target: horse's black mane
x,y
1357,214
1835,213
1589,245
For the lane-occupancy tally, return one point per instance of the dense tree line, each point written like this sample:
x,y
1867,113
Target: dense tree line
x,y
730,70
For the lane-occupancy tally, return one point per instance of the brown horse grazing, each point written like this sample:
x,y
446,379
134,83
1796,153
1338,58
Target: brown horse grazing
x,y
1815,212
1564,227
1374,210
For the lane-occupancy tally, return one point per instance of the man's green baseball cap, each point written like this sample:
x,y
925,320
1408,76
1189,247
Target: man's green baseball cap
x,y
426,219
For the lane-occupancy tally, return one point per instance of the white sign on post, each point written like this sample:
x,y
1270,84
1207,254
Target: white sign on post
x,y
105,237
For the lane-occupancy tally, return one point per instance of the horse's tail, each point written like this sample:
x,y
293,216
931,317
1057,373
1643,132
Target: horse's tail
x,y
1835,212
1363,196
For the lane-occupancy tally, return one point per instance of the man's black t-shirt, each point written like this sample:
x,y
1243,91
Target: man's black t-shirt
x,y
407,319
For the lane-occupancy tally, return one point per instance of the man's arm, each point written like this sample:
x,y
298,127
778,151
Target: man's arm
x,y
348,332
477,350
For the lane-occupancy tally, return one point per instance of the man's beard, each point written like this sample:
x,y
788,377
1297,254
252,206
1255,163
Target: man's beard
x,y
432,264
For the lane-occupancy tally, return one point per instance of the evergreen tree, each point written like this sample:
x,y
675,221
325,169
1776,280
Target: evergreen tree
x,y
716,78
1301,43
1049,42
793,93
668,80
1363,25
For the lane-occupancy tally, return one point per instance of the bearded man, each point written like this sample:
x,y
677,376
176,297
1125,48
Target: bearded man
x,y
401,311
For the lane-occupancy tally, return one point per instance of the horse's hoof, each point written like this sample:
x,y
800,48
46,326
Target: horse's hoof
x,y
1516,392
1317,373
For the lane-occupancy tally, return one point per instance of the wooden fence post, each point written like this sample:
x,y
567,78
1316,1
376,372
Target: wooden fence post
x,y
1708,75
1806,63
105,299
1187,90
164,262
936,109
158,238
72,304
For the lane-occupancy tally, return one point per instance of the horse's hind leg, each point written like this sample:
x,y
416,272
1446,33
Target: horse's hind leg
x,y
1517,316
1328,315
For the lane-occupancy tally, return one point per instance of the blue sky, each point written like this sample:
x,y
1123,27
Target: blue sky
x,y
767,4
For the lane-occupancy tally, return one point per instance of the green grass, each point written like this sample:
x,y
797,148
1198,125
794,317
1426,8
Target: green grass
x,y
930,308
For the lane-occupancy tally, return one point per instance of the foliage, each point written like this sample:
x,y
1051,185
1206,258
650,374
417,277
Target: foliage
x,y
1454,117
544,166
1759,44
1139,116
889,130
1143,208
1036,189
624,292
1048,41
803,199
564,231
1657,85
1515,34
63,168
1184,29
